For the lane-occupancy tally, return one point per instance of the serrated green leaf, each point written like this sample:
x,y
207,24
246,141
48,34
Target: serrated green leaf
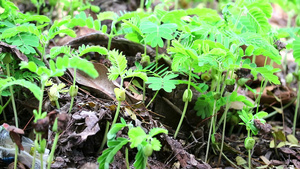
x,y
155,131
136,135
156,145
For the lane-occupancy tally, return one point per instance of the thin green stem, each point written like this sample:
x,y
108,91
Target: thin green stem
x,y
212,122
42,160
57,104
3,107
181,119
127,158
223,132
185,106
249,153
209,134
12,97
144,91
72,98
50,158
110,36
117,113
176,5
33,160
142,4
296,109
16,156
152,99
41,98
104,138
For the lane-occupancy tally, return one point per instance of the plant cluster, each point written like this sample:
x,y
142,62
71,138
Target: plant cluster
x,y
206,49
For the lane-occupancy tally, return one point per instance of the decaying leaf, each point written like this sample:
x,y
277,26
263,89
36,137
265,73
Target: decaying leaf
x,y
15,134
6,48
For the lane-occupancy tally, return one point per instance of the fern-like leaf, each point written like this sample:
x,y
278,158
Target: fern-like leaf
x,y
55,51
119,64
83,65
296,50
24,83
100,50
259,19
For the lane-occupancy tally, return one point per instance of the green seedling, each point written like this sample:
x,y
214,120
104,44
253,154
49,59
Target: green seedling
x,y
145,144
119,69
248,120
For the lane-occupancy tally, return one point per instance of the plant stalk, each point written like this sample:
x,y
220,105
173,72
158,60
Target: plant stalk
x,y
104,138
72,98
12,97
152,99
296,109
117,113
127,158
50,158
185,106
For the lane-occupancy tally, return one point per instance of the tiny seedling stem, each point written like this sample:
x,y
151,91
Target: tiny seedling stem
x,y
185,107
127,158
181,119
223,132
12,97
152,99
15,114
249,152
142,4
50,158
72,98
16,156
57,104
104,138
296,109
117,113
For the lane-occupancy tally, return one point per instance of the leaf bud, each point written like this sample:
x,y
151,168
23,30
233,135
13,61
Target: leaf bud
x,y
145,61
53,93
205,77
95,8
229,81
289,78
187,95
120,94
242,81
52,2
7,58
148,150
217,96
249,143
73,91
